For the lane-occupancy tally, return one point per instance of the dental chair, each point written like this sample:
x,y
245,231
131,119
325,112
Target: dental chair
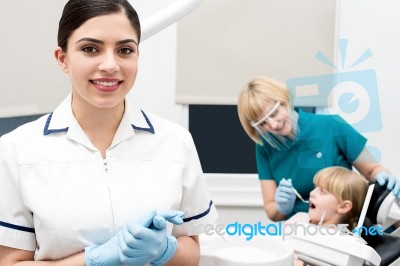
x,y
380,208
384,210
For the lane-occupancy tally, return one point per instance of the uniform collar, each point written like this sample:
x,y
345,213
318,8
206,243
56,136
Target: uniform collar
x,y
63,120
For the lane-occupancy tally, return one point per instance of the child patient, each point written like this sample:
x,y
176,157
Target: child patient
x,y
338,198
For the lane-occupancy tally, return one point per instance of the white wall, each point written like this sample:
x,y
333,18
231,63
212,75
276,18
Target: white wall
x,y
155,87
31,80
374,25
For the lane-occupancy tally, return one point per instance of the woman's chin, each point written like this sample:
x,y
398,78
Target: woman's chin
x,y
285,131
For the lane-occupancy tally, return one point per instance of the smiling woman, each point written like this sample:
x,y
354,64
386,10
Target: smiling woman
x,y
99,173
101,59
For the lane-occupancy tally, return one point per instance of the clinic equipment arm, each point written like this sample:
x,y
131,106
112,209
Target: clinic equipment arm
x,y
167,16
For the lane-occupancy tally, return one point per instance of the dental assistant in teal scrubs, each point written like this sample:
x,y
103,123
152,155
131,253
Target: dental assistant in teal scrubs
x,y
291,147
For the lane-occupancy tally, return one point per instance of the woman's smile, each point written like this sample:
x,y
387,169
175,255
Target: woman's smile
x,y
106,85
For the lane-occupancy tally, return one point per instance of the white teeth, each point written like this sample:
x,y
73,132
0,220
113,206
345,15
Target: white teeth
x,y
105,84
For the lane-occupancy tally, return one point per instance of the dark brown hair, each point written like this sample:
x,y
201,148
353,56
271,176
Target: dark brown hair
x,y
77,12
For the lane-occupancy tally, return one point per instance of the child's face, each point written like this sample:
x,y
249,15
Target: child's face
x,y
320,201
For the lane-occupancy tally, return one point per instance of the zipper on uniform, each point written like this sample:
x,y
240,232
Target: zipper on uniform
x,y
105,163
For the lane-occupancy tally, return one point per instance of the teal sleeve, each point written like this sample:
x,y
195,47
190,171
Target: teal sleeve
x,y
263,166
349,140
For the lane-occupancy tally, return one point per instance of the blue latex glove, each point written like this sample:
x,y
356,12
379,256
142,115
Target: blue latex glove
x,y
140,241
285,197
175,217
391,181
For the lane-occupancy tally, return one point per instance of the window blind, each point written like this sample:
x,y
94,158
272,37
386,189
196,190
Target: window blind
x,y
225,43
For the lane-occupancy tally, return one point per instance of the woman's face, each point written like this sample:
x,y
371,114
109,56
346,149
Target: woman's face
x,y
323,201
101,60
276,120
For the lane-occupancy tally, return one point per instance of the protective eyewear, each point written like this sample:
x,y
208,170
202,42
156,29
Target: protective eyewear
x,y
258,125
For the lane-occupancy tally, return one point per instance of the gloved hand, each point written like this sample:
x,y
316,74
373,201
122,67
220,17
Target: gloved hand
x,y
285,197
170,244
175,217
140,241
168,247
393,183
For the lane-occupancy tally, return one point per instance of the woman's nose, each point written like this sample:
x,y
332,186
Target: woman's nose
x,y
273,123
109,63
312,193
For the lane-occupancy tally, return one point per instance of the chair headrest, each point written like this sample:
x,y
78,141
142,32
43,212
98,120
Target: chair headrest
x,y
378,197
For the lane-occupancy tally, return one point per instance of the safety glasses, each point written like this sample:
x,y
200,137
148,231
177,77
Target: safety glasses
x,y
263,122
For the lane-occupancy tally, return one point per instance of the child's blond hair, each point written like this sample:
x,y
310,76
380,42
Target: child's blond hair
x,y
344,184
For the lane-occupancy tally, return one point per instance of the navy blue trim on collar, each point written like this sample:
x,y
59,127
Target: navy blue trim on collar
x,y
199,215
17,227
48,131
149,129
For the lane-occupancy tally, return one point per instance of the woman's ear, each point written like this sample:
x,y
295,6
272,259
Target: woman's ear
x,y
344,207
61,59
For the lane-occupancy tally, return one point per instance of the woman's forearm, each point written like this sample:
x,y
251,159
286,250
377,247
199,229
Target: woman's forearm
x,y
271,209
74,260
187,253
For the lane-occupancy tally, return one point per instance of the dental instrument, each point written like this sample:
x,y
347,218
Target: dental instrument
x,y
322,219
299,196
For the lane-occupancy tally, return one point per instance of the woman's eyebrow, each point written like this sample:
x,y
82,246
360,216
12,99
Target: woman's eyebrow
x,y
90,40
102,43
126,41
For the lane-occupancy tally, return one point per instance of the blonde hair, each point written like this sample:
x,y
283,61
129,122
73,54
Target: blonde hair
x,y
344,184
254,97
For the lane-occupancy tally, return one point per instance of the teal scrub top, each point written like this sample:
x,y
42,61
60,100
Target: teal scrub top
x,y
324,140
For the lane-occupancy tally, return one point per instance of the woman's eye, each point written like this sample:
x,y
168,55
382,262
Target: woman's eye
x,y
90,49
274,114
126,51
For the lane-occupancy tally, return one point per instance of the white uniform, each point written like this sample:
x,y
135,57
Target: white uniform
x,y
57,194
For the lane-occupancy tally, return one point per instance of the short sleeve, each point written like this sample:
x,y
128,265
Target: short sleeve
x,y
263,165
16,221
349,140
196,202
